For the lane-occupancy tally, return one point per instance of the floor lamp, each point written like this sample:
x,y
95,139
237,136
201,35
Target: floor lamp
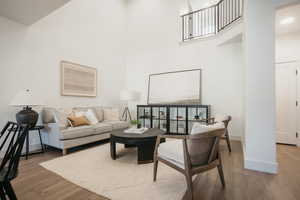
x,y
127,96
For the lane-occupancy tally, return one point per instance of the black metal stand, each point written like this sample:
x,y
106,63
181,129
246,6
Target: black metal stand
x,y
27,153
126,114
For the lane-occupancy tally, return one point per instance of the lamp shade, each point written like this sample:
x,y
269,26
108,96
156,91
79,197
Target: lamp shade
x,y
26,98
127,95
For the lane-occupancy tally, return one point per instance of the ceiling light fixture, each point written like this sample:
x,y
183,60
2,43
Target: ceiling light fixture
x,y
287,20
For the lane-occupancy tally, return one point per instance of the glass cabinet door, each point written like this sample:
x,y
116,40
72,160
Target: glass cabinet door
x,y
159,117
178,120
144,116
196,114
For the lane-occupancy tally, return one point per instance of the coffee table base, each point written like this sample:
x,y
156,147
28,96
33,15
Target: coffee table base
x,y
145,143
145,151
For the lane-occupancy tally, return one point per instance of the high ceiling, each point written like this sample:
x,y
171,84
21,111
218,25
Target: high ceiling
x,y
28,11
286,14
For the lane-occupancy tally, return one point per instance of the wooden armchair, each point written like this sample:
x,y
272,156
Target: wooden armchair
x,y
190,154
225,119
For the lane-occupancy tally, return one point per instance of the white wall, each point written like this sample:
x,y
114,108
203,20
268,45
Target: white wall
x,y
154,46
83,32
11,36
288,47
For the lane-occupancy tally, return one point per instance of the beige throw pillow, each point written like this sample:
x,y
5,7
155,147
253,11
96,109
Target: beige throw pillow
x,y
89,115
78,121
111,114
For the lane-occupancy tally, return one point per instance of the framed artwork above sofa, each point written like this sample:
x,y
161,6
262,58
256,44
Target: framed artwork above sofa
x,y
78,80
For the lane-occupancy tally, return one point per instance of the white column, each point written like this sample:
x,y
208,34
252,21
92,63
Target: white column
x,y
260,147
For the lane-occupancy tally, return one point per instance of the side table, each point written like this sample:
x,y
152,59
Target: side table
x,y
36,128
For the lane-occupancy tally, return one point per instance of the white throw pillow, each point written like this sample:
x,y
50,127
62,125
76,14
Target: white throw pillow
x,y
79,113
221,117
202,128
111,114
61,115
90,115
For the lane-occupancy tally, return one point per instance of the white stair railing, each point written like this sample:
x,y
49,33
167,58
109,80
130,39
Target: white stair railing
x,y
209,21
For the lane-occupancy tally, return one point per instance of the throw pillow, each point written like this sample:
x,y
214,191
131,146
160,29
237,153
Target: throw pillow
x,y
78,121
90,115
62,117
221,118
111,114
79,113
202,128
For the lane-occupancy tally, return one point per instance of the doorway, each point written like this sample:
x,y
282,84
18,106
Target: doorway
x,y
286,74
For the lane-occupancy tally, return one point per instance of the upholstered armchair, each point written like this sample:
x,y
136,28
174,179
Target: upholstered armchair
x,y
191,154
217,121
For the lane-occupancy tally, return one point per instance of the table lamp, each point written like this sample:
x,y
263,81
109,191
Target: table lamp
x,y
27,100
127,96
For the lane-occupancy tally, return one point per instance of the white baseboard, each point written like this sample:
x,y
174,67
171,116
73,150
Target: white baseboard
x,y
237,138
262,166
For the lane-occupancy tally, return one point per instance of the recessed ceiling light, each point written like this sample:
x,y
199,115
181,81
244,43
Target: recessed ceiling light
x,y
287,20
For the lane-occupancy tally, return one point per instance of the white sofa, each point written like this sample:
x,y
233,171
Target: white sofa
x,y
59,134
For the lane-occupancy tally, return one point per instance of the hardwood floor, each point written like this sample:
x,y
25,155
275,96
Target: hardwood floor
x,y
36,183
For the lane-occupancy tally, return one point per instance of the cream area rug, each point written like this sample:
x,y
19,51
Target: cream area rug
x,y
120,179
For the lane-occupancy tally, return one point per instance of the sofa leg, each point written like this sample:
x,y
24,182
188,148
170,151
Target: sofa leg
x,y
64,152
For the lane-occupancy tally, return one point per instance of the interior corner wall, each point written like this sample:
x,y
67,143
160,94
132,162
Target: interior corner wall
x,y
153,46
84,32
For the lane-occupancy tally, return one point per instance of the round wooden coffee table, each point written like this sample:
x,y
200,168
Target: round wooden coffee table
x,y
145,143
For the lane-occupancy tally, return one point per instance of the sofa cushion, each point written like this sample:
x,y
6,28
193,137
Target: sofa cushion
x,y
99,113
48,115
85,131
172,151
111,114
76,132
117,124
102,128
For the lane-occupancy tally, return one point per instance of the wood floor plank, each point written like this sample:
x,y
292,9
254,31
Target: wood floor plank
x,y
36,183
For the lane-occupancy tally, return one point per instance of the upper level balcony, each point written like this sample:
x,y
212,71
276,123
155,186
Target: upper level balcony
x,y
211,20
